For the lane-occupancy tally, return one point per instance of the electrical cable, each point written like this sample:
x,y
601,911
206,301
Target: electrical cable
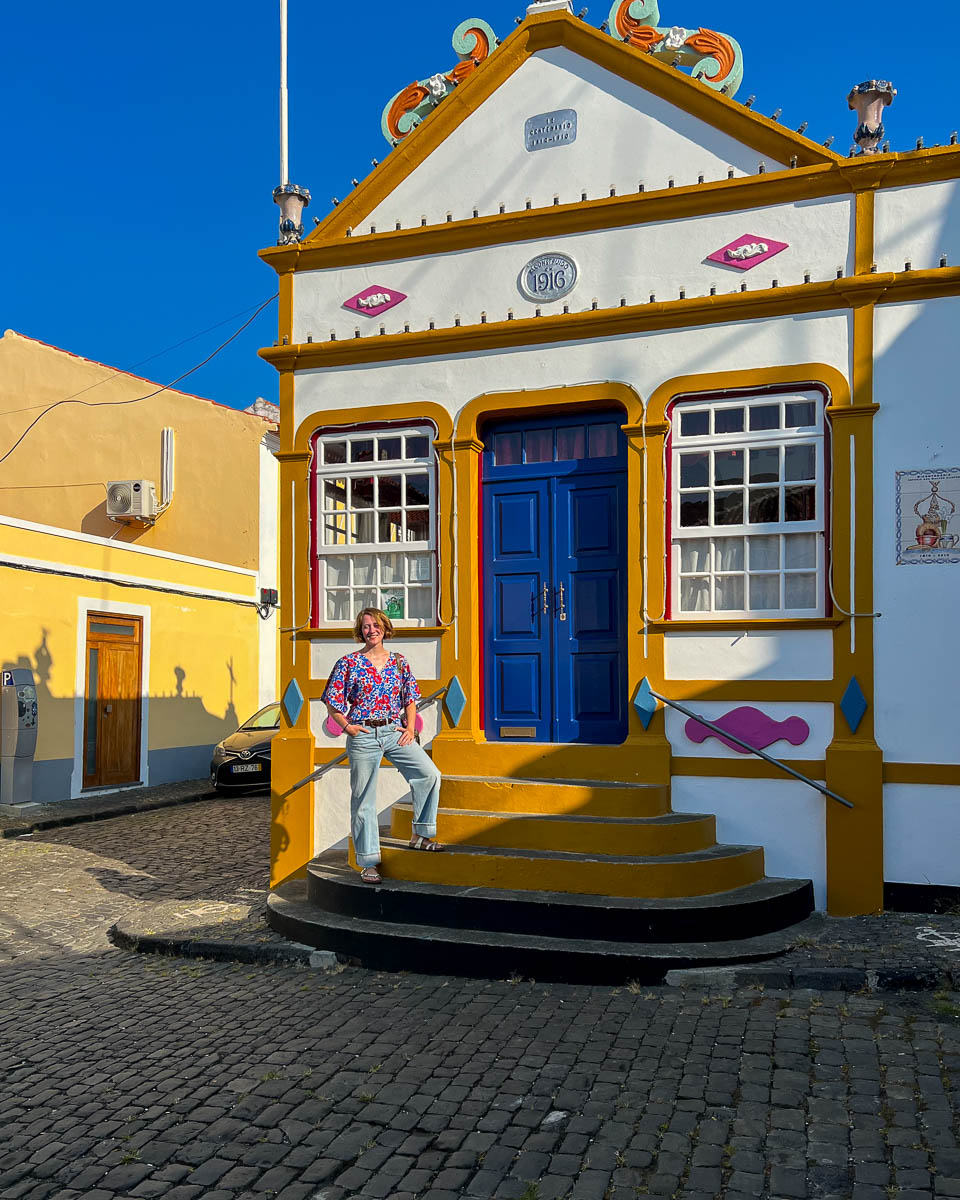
x,y
115,371
149,395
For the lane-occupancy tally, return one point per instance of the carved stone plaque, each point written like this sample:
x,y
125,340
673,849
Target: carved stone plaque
x,y
548,277
550,129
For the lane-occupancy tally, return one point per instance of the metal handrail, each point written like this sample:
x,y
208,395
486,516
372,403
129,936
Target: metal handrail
x,y
753,750
335,762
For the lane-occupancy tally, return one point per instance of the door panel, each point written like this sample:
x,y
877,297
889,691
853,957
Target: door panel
x,y
519,688
112,701
554,585
516,608
516,566
591,658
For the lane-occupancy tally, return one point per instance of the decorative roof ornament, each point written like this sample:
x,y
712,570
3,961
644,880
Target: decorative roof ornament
x,y
473,41
869,99
713,58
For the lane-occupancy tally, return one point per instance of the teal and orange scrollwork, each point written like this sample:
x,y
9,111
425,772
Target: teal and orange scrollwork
x,y
473,40
713,58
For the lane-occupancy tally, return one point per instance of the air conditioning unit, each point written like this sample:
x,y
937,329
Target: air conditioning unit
x,y
131,500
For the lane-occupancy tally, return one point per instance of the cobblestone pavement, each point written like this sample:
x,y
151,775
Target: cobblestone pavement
x,y
129,1076
62,889
17,819
136,1076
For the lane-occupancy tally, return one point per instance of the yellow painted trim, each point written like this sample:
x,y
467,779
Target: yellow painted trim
x,y
374,414
327,246
855,761
746,768
559,220
852,410
694,311
944,774
754,624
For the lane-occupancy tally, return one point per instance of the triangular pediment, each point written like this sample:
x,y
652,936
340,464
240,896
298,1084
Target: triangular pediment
x,y
505,140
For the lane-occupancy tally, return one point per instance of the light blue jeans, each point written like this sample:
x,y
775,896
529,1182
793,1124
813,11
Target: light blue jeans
x,y
365,751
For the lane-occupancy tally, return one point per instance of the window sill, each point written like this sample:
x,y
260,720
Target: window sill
x,y
346,631
743,624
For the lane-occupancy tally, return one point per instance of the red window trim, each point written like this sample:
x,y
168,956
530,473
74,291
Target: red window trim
x,y
359,427
770,389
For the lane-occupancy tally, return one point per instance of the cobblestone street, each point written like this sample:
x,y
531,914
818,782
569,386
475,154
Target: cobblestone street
x,y
127,1075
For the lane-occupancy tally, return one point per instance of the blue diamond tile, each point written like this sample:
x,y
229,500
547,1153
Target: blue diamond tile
x,y
644,703
455,701
292,701
853,704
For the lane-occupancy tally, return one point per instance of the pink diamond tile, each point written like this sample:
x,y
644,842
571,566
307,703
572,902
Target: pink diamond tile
x,y
747,251
374,300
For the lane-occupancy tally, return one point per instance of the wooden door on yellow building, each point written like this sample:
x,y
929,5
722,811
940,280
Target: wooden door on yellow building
x,y
111,736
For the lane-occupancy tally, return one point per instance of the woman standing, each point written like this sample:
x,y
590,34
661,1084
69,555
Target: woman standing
x,y
366,693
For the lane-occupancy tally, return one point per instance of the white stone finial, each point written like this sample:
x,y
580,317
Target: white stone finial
x,y
542,6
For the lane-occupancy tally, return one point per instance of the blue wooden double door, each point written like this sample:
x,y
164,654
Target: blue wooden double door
x,y
554,580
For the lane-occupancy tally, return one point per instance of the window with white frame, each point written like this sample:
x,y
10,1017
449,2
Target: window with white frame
x,y
747,506
376,525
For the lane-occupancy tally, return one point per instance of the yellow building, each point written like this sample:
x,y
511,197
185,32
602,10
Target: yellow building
x,y
144,636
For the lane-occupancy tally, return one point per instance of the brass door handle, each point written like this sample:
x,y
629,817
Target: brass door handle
x,y
562,611
546,598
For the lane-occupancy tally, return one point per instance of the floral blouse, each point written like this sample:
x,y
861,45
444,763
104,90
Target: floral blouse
x,y
357,688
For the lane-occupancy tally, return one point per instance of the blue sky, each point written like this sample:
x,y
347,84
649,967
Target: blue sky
x,y
141,145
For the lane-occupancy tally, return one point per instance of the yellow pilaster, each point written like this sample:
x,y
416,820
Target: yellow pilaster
x,y
292,750
854,761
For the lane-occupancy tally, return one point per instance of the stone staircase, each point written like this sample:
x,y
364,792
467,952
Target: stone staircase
x,y
571,879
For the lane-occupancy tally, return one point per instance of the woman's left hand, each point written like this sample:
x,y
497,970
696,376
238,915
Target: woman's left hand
x,y
406,737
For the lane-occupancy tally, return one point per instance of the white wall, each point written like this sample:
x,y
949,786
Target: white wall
x,y
643,360
786,818
918,636
625,136
749,654
921,834
629,263
918,224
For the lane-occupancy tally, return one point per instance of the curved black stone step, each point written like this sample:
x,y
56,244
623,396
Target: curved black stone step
x,y
431,949
760,908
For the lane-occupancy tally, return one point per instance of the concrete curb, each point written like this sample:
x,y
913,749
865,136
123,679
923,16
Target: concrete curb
x,y
290,954
823,979
714,979
102,814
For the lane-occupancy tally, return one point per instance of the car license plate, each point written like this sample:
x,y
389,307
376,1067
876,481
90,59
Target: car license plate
x,y
243,768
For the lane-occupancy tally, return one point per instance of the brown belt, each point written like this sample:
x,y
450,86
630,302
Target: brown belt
x,y
376,724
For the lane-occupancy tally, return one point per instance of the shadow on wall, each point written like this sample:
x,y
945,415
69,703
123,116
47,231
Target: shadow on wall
x,y
179,722
98,524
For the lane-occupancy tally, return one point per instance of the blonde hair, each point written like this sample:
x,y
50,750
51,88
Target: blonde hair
x,y
381,619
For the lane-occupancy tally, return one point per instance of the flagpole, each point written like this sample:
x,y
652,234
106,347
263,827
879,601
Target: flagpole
x,y
291,198
284,146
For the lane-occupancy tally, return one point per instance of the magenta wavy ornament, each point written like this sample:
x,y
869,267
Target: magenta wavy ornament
x,y
752,726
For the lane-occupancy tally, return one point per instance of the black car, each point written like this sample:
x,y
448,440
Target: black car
x,y
242,760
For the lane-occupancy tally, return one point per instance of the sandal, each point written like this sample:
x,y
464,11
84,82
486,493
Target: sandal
x,y
370,875
422,843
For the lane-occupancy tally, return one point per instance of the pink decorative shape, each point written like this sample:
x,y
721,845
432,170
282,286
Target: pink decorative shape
x,y
753,726
334,729
374,300
744,253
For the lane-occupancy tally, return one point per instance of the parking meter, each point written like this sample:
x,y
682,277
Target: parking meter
x,y
18,735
